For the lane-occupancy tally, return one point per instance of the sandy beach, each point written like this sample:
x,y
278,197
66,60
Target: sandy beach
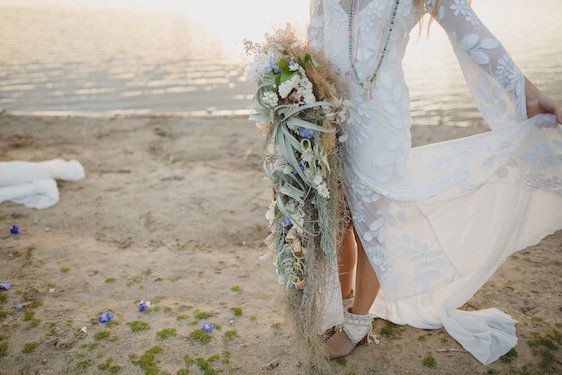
x,y
172,211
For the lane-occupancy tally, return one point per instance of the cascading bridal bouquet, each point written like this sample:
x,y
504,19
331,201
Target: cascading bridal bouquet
x,y
297,107
300,109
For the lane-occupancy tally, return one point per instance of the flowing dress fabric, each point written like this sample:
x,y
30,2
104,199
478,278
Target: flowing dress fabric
x,y
436,221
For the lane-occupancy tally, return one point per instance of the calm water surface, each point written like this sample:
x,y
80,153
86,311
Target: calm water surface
x,y
187,56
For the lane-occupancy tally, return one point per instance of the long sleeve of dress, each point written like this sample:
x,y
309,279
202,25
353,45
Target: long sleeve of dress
x,y
315,28
495,81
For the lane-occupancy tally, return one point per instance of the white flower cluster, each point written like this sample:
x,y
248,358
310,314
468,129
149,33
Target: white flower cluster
x,y
270,99
318,182
287,86
296,209
281,164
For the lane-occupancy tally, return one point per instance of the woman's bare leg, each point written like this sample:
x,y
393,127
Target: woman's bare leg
x,y
366,284
366,289
346,262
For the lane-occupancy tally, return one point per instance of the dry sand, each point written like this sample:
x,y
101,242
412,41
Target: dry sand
x,y
172,210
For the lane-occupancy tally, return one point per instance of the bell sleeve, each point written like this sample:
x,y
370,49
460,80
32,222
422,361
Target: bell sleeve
x,y
315,28
496,83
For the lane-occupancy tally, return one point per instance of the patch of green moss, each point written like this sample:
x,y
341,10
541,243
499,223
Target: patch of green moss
x,y
236,310
509,356
64,269
91,346
110,280
202,315
137,325
181,317
236,288
182,371
226,357
166,333
102,334
3,297
200,336
84,364
109,366
206,365
429,361
28,314
29,347
492,371
390,329
35,304
549,340
342,361
230,334
276,325
35,322
147,361
3,314
3,349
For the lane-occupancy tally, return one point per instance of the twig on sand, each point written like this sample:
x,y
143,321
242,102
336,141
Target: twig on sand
x,y
452,350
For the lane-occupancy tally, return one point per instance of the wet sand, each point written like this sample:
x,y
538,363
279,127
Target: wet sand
x,y
172,211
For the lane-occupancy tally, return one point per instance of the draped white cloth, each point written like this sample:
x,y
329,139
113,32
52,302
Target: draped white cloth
x,y
436,221
33,183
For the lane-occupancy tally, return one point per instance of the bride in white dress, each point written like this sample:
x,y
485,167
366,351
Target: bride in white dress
x,y
434,222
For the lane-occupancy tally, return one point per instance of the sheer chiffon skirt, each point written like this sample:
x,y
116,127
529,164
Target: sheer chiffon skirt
x,y
442,230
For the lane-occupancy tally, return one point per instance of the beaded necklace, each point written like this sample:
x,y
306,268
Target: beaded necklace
x,y
367,89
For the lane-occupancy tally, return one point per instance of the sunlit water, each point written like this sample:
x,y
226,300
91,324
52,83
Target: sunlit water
x,y
187,56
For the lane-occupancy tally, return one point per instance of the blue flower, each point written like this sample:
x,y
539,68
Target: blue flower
x,y
285,221
272,66
7,285
305,132
14,229
143,305
105,317
207,327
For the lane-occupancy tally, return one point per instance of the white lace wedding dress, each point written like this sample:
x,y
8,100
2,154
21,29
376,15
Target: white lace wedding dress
x,y
437,220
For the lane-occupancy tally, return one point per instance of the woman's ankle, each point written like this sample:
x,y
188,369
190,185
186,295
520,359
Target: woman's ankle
x,y
348,294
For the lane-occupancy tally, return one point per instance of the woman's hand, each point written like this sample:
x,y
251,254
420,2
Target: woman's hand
x,y
537,102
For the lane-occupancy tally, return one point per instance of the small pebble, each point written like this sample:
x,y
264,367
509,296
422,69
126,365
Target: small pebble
x,y
83,329
231,321
44,360
51,290
19,307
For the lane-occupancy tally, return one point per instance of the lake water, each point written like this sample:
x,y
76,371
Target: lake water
x,y
100,56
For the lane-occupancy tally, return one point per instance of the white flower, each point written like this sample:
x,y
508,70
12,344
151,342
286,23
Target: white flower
x,y
270,99
323,190
287,86
294,66
317,179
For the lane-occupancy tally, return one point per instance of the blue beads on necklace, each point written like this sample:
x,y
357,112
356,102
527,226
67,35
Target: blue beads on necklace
x,y
384,50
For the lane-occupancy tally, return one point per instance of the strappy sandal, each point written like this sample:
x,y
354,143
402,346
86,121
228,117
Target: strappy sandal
x,y
358,328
